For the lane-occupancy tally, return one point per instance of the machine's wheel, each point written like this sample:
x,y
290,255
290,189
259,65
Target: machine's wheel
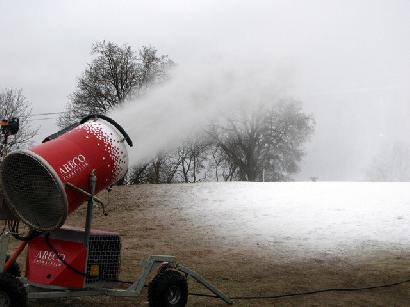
x,y
12,291
168,289
14,269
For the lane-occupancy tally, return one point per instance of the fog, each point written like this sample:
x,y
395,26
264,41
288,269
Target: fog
x,y
194,96
347,61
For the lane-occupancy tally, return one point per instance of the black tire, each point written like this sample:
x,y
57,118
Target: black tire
x,y
14,269
168,289
12,291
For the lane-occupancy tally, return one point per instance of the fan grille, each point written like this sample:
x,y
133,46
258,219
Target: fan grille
x,y
34,191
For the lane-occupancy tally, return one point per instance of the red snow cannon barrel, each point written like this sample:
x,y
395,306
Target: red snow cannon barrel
x,y
35,181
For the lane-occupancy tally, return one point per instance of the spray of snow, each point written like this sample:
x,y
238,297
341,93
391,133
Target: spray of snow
x,y
194,95
349,70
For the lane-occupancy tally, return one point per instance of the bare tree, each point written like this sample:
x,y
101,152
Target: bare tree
x,y
115,73
216,161
14,104
138,174
186,164
266,141
286,129
192,155
223,168
161,169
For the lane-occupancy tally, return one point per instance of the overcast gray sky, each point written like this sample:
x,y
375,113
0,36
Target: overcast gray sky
x,y
348,61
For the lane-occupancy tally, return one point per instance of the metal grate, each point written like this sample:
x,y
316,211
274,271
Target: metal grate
x,y
104,257
34,191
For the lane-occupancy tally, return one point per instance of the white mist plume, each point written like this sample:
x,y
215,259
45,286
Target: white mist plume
x,y
349,63
184,105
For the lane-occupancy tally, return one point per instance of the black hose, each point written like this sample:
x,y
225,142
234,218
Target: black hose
x,y
13,226
307,292
60,132
112,122
87,118
54,250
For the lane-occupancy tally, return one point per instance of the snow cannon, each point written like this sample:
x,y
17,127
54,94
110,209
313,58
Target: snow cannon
x,y
46,183
41,187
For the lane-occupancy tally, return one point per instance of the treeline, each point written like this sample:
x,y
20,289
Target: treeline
x,y
261,144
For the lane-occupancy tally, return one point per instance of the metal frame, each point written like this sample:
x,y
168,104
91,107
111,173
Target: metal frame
x,y
154,262
4,245
35,291
134,290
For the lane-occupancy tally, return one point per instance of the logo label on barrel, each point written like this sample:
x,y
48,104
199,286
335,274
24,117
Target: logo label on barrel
x,y
73,166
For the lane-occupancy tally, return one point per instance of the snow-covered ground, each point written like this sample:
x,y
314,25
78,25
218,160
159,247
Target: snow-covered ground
x,y
304,219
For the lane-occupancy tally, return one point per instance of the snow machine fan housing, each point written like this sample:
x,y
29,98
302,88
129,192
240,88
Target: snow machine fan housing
x,y
36,182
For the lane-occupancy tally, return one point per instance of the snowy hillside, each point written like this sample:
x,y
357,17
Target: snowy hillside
x,y
303,219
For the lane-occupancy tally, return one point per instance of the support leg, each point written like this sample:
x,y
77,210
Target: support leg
x,y
15,255
90,203
4,245
205,283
